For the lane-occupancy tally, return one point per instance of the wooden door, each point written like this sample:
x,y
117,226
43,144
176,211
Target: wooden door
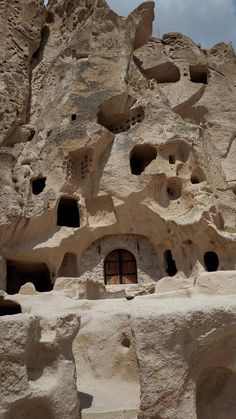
x,y
120,268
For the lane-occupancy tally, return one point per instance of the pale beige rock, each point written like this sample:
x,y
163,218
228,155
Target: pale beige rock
x,y
221,282
28,289
129,291
81,288
37,368
115,141
168,284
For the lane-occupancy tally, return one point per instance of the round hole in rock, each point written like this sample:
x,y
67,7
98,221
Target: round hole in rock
x,y
38,185
216,394
211,261
174,189
125,342
195,180
197,176
140,157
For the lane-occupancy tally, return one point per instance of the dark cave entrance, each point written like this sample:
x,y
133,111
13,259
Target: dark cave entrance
x,y
8,307
68,213
140,157
211,261
19,273
170,263
38,185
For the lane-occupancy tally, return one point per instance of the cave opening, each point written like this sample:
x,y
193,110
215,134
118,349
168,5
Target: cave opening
x,y
140,157
19,273
38,185
174,189
172,159
170,263
9,308
118,114
198,74
68,213
211,261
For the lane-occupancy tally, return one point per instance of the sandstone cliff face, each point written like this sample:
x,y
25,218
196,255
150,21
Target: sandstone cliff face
x,y
139,131
117,153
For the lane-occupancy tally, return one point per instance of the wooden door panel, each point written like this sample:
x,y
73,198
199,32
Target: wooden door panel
x,y
113,280
129,279
120,268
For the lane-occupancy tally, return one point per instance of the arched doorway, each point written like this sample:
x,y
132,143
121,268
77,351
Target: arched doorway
x,y
120,267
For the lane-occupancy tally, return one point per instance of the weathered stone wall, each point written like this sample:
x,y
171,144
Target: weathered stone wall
x,y
139,133
37,367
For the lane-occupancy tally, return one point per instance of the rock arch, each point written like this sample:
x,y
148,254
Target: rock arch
x,y
148,264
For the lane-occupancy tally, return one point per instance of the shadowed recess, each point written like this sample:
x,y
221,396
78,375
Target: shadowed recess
x,y
68,213
170,263
19,273
140,157
8,307
211,261
118,114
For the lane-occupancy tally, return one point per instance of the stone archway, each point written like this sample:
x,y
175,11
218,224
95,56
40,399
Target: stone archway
x,y
147,260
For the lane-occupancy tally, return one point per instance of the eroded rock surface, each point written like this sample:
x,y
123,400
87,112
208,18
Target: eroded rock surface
x,y
117,208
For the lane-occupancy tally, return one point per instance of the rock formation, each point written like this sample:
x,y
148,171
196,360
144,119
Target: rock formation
x,y
118,217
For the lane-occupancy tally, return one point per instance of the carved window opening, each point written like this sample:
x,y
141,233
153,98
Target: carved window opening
x,y
198,74
174,189
211,261
19,273
197,176
38,185
73,117
68,213
172,159
120,267
140,157
170,263
118,114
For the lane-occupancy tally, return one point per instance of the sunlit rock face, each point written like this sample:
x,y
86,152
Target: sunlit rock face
x,y
117,217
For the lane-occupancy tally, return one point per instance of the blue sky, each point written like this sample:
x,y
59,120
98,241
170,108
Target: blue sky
x,y
205,21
